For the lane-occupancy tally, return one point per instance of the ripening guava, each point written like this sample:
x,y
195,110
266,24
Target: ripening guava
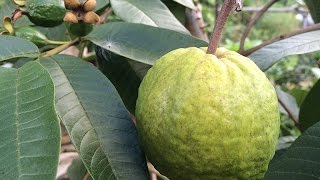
x,y
204,116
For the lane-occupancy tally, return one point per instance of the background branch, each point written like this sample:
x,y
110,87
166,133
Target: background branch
x,y
290,113
284,36
253,21
195,23
104,16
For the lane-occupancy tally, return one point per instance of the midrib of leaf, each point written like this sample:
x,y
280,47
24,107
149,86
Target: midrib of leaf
x,y
18,127
87,117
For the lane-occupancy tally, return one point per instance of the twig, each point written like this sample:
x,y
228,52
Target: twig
x,y
152,170
291,114
253,21
106,13
195,23
228,7
86,177
60,48
284,36
292,9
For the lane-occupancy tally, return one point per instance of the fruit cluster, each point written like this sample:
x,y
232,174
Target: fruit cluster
x,y
81,11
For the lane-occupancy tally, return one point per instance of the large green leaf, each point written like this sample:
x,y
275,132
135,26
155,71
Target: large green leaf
x,y
122,76
301,160
314,7
140,42
96,119
149,12
299,44
13,47
30,129
310,108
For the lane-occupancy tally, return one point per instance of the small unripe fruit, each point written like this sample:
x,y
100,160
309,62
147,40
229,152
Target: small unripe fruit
x,y
72,4
89,5
91,18
70,17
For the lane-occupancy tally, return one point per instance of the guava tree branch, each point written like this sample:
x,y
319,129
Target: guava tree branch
x,y
104,16
314,27
194,22
253,21
290,114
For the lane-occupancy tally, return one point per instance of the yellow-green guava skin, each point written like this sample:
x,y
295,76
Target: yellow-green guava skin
x,y
203,116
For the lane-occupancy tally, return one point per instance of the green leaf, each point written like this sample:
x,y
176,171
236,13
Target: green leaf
x,y
178,10
299,44
77,170
299,95
30,129
141,69
140,42
186,3
13,47
153,13
101,4
57,33
310,108
122,76
96,119
301,160
314,7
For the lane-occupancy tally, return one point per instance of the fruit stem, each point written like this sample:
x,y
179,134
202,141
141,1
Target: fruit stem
x,y
56,42
228,7
60,48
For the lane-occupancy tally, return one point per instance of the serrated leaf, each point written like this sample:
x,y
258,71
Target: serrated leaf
x,y
123,77
96,119
153,13
310,108
13,47
186,3
299,44
301,160
30,129
140,42
314,7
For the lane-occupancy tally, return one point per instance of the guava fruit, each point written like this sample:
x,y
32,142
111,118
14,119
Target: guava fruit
x,y
31,34
204,116
47,13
